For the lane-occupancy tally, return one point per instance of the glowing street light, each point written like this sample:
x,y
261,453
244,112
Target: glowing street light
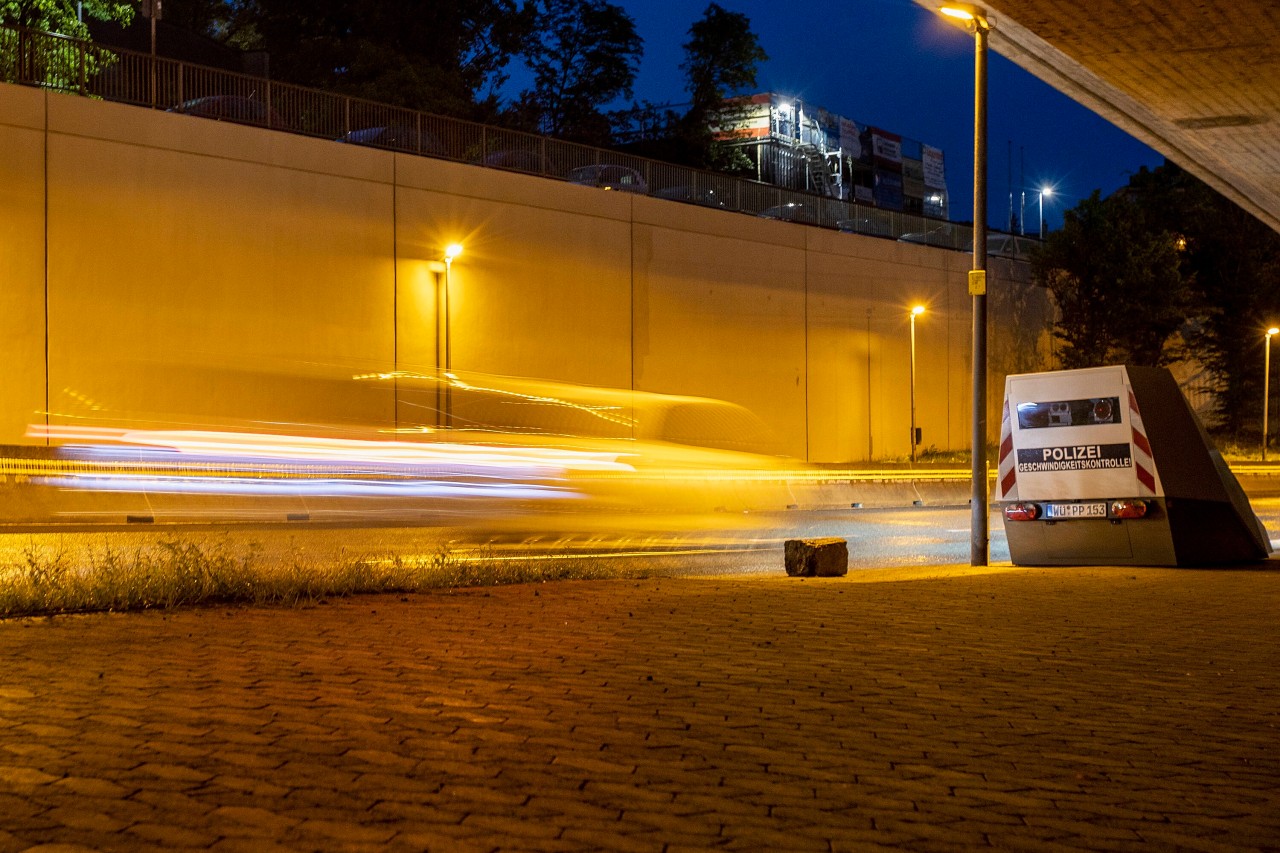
x,y
965,12
1044,191
444,349
1266,387
915,312
975,21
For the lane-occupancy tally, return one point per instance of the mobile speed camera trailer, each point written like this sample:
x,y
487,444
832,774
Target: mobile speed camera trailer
x,y
1110,466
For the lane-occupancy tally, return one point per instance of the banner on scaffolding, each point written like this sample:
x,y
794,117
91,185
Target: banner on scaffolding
x,y
886,147
850,143
935,175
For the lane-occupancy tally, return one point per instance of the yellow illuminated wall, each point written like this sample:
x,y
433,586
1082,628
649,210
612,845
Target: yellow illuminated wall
x,y
22,253
170,268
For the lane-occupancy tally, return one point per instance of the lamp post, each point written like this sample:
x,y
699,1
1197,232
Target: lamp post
x,y
444,349
915,312
975,21
1044,191
150,9
1266,387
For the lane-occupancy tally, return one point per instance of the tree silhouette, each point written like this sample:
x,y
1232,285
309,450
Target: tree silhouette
x,y
585,55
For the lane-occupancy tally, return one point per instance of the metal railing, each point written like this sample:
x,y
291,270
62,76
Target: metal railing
x,y
66,64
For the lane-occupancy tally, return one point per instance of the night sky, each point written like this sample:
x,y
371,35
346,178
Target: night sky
x,y
894,64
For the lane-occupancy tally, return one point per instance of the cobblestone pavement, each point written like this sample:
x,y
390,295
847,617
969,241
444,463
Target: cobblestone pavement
x,y
932,709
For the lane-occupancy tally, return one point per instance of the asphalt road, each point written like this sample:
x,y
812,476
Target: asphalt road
x,y
722,542
710,543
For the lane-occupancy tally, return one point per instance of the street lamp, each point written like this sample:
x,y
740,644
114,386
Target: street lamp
x,y
1044,191
1266,387
975,21
444,349
915,312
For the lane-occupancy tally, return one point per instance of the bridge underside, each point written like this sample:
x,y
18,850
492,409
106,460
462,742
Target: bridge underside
x,y
1200,84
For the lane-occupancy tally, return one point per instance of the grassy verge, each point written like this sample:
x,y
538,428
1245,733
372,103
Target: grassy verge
x,y
184,572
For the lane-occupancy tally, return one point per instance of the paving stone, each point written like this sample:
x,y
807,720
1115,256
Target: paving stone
x,y
91,787
445,838
233,820
345,832
613,839
255,845
175,772
84,818
1026,709
170,836
249,785
16,778
513,827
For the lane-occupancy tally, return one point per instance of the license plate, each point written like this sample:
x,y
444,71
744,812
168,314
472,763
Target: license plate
x,y
1089,510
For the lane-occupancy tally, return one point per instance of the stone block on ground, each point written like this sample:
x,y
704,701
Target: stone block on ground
x,y
822,558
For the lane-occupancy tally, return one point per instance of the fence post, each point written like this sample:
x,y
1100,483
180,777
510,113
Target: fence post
x,y
181,73
80,52
346,115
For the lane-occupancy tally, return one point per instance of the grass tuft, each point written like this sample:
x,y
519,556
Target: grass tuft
x,y
185,573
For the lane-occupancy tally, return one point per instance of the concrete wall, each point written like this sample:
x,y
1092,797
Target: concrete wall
x,y
169,268
22,255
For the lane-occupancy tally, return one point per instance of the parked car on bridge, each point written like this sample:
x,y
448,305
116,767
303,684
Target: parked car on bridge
x,y
876,226
621,178
815,211
792,211
944,237
695,195
232,108
1008,246
999,245
400,137
519,160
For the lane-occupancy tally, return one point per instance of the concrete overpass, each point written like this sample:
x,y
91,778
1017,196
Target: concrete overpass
x,y
1198,82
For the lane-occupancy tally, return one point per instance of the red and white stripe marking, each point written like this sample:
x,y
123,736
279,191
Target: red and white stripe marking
x,y
1143,464
1007,470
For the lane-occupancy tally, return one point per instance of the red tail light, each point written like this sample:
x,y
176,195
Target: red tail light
x,y
1129,509
1022,512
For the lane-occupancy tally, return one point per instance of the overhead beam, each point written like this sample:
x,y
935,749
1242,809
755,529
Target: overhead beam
x,y
1191,148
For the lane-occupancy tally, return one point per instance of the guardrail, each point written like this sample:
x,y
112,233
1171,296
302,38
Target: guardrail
x,y
52,61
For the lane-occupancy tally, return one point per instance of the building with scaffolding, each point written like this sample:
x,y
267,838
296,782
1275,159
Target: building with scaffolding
x,y
797,146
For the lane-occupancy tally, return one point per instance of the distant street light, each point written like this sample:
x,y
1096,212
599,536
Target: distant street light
x,y
1044,191
1266,387
915,312
444,348
975,21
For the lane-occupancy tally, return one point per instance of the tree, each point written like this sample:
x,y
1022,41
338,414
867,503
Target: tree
x,y
721,58
210,18
447,56
1117,280
586,55
45,61
1226,289
1233,259
60,16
